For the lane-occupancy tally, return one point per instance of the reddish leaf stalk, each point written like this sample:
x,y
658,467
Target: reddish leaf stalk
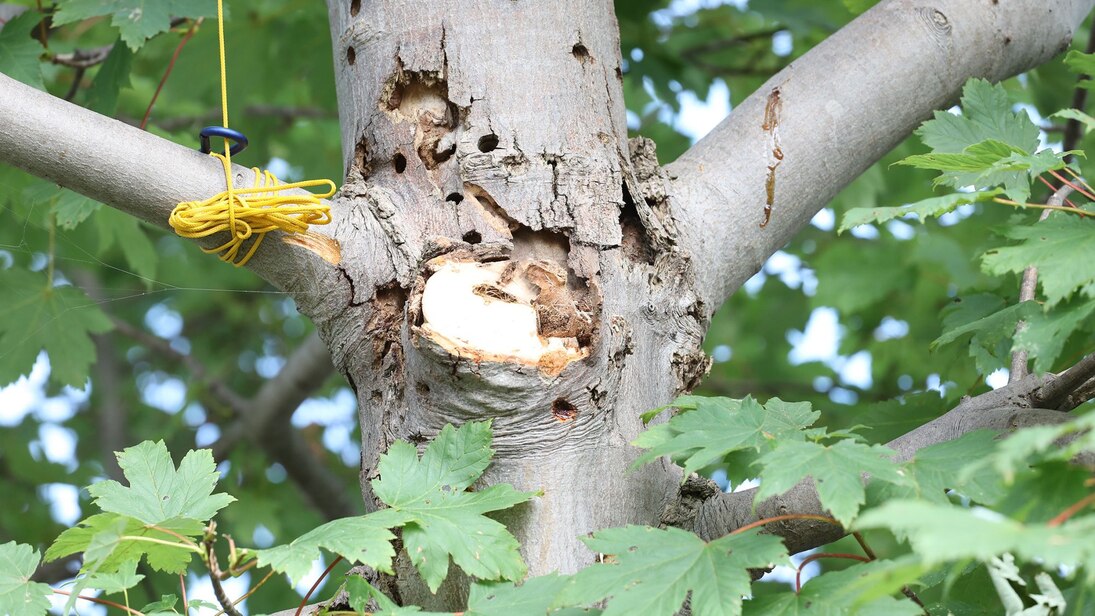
x,y
98,600
1072,510
786,516
170,66
304,601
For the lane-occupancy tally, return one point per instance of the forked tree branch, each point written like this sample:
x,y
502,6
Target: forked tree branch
x,y
819,123
130,170
712,514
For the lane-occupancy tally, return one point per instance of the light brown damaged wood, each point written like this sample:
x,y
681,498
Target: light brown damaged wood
x,y
326,247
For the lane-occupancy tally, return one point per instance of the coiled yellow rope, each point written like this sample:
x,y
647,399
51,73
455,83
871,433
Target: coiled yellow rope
x,y
248,212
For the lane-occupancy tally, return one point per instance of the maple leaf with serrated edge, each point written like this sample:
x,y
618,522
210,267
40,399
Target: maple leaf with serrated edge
x,y
136,20
18,594
989,322
158,492
940,533
986,114
716,427
861,589
363,539
1034,444
161,554
922,210
653,570
1060,247
1045,333
59,319
20,53
935,469
443,520
427,497
535,596
837,472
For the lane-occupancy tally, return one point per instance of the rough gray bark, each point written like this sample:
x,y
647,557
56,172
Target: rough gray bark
x,y
480,132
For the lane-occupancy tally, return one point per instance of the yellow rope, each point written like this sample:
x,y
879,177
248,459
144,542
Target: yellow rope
x,y
247,212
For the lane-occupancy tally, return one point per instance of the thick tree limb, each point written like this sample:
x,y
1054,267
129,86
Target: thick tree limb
x,y
712,514
824,119
131,170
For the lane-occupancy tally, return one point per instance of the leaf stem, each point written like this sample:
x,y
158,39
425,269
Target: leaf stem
x,y
1072,510
99,601
170,66
1039,206
182,538
1071,185
786,516
304,601
189,548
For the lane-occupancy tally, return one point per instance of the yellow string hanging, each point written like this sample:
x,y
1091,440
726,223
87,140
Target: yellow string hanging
x,y
248,212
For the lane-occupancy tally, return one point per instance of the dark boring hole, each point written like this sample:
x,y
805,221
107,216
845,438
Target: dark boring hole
x,y
580,51
399,162
488,142
473,237
563,410
441,156
355,6
351,55
455,197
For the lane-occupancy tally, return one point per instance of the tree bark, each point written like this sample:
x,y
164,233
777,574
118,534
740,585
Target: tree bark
x,y
486,141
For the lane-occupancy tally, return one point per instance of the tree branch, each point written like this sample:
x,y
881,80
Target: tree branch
x,y
133,171
712,513
266,420
819,123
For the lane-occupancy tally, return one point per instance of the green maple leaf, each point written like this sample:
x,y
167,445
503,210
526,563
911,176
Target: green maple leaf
x,y
941,533
20,54
125,231
428,499
136,20
535,596
862,589
709,429
1045,333
1035,444
837,472
158,492
990,325
1060,247
986,114
110,541
935,469
113,75
441,519
653,570
364,539
19,595
922,210
36,316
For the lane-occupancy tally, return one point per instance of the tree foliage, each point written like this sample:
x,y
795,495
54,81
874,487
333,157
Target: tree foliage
x,y
922,315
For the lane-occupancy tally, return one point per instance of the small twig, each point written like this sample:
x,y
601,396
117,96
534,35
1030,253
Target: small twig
x,y
215,575
170,66
75,87
1029,285
1054,189
182,591
1066,182
905,590
250,592
83,58
105,602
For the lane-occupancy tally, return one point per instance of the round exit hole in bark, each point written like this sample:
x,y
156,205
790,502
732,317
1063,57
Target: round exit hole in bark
x,y
563,410
399,161
488,143
355,7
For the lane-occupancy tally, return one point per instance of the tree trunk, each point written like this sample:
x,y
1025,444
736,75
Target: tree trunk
x,y
495,148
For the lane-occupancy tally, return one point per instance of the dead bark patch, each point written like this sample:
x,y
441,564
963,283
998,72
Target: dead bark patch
x,y
772,109
385,326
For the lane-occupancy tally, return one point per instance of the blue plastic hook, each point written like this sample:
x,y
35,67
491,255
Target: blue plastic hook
x,y
239,141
